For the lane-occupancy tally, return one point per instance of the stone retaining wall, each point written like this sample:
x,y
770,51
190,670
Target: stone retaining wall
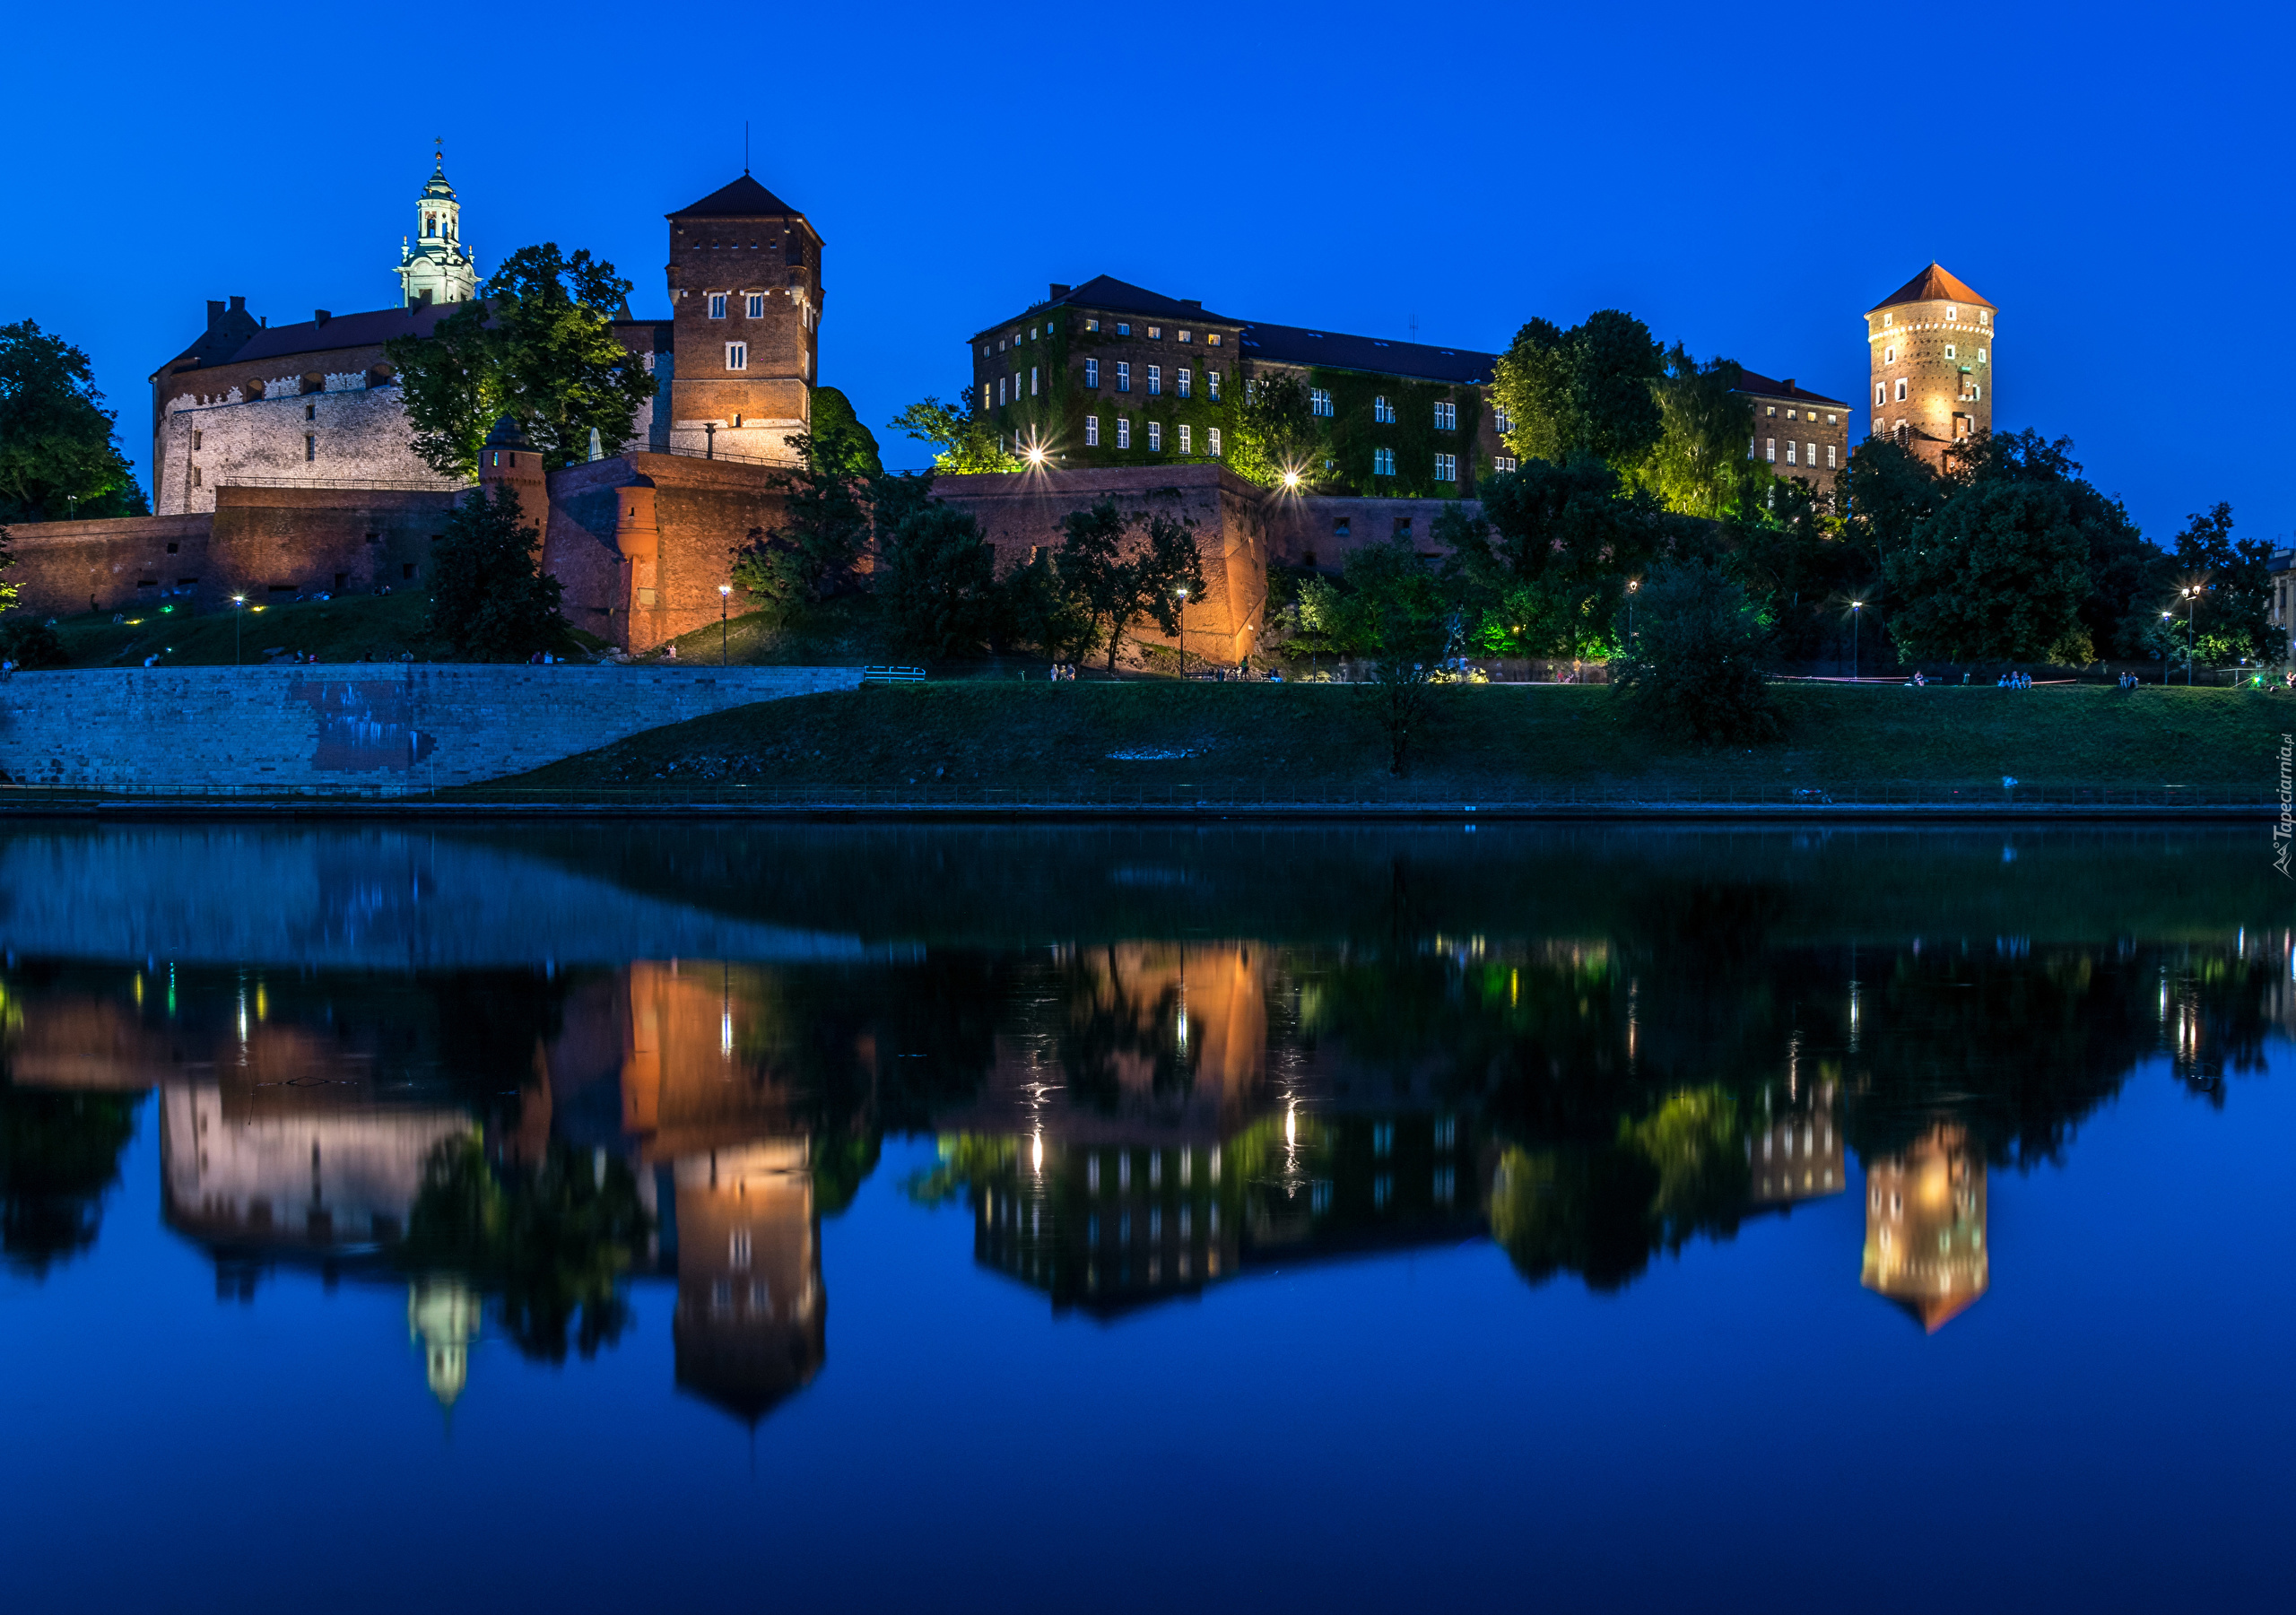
x,y
355,728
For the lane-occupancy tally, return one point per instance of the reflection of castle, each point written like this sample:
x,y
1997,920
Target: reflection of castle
x,y
1925,1227
1796,1155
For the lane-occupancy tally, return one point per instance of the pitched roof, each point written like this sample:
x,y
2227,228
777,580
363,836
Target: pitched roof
x,y
745,198
1762,386
1297,344
340,331
1109,295
1932,285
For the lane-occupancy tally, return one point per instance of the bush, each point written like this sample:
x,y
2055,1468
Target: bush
x,y
490,598
937,582
1695,677
29,642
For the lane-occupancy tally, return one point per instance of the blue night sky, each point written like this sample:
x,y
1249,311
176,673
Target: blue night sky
x,y
1746,180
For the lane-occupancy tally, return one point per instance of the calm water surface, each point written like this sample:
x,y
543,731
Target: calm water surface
x,y
1122,1219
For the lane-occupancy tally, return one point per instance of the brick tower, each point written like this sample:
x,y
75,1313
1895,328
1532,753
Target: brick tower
x,y
745,302
1931,343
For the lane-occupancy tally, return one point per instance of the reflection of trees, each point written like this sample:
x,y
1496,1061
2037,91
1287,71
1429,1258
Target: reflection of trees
x,y
549,1243
58,1154
1113,1018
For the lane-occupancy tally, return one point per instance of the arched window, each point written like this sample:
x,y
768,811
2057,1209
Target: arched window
x,y
430,224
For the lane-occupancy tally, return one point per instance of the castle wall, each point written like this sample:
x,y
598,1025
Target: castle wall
x,y
1310,530
381,730
348,434
64,568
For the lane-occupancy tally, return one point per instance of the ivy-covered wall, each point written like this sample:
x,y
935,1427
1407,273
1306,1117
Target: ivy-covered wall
x,y
1356,433
1055,416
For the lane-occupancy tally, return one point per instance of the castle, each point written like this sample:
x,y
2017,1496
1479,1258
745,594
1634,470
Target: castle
x,y
281,467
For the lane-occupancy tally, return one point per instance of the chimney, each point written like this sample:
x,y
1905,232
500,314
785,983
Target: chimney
x,y
1195,304
239,305
1787,385
1059,289
214,311
320,316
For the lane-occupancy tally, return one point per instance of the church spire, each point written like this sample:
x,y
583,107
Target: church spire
x,y
436,268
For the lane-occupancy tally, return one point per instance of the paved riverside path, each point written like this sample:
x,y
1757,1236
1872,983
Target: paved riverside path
x,y
385,728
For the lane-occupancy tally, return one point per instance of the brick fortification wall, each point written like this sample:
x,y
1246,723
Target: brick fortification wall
x,y
268,543
1022,512
379,729
1312,531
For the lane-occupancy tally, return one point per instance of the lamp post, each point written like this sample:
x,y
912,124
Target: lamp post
x,y
2192,599
1856,622
238,616
1632,583
2165,617
1182,593
725,598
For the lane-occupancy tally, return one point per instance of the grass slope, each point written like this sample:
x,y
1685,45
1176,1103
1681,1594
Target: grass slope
x,y
352,628
1311,743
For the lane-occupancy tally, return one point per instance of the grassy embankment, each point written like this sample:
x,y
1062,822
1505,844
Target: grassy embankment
x,y
1309,742
351,628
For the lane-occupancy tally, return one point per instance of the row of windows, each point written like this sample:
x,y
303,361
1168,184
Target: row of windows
x,y
1971,391
1183,379
1811,459
1211,440
1890,355
1211,339
753,303
1810,414
1952,314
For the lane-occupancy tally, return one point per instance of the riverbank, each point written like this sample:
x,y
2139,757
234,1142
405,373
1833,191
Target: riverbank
x,y
1144,745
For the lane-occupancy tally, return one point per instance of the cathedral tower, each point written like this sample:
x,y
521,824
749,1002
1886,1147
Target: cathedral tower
x,y
745,305
437,268
1931,343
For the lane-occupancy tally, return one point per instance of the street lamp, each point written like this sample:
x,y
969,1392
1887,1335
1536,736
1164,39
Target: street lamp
x,y
1182,593
1857,621
725,596
1632,583
2192,599
238,616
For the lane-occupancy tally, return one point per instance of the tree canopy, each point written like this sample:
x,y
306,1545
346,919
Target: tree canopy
x,y
490,598
936,579
2233,610
1693,674
57,459
1589,390
537,345
1277,434
1121,569
963,443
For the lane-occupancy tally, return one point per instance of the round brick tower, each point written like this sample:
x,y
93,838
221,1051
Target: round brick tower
x,y
506,458
1931,344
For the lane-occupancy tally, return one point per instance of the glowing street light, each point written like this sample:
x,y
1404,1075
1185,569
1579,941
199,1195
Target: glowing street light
x,y
725,595
1291,479
1857,621
1036,454
2192,598
238,616
1182,593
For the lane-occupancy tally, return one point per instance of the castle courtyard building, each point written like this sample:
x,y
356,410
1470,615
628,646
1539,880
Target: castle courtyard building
x,y
1797,433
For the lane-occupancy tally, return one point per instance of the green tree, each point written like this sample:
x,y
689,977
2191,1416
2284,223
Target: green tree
x,y
2234,575
1699,465
834,417
538,346
57,459
1693,674
490,598
810,554
2124,572
1042,606
1403,616
1803,570
2001,569
1123,568
1279,442
963,443
1546,570
936,580
1589,390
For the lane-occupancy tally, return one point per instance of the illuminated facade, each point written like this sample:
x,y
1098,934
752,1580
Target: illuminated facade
x,y
1931,346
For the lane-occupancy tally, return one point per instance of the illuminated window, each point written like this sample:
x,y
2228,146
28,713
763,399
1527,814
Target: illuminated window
x,y
984,395
1789,451
1155,333
1319,401
1382,412
1156,381
1183,383
1829,420
1091,431
1981,356
1901,389
1888,318
1184,336
1188,434
1123,376
1446,468
717,305
737,356
1032,381
737,1249
1446,416
1212,339
1770,443
1952,314
1504,421
1383,462
1000,392
1829,457
1212,441
1124,432
1503,463
1155,436
1091,372
1091,325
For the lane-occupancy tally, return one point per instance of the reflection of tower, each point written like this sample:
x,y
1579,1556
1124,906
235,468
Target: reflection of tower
x,y
1924,1228
748,1329
443,1314
1797,1155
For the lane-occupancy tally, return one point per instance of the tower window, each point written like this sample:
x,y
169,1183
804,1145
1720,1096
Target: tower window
x,y
1880,397
310,411
1952,314
1949,349
1032,381
1383,462
757,305
1901,389
1829,456
717,305
1155,333
1981,356
737,356
1889,356
310,447
1789,451
1184,338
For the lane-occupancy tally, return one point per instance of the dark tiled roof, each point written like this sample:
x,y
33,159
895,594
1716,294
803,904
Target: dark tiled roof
x,y
1296,344
342,331
1762,386
1107,295
745,198
1932,285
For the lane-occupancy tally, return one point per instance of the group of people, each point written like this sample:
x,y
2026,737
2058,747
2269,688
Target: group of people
x,y
2127,680
2015,681
1063,671
542,658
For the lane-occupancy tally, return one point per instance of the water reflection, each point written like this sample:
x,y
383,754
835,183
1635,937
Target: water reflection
x,y
1128,1120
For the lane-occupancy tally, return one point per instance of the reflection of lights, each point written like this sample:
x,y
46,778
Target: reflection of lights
x,y
1036,1154
725,1034
1183,1027
1292,1127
